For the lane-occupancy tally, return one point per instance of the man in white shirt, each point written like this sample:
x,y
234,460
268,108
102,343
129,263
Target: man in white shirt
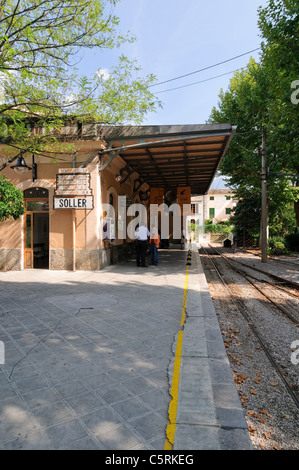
x,y
142,233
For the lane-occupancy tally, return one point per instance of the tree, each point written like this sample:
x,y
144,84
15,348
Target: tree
x,y
258,97
279,26
40,46
11,200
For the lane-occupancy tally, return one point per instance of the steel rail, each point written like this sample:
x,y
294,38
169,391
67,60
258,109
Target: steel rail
x,y
278,278
247,277
243,311
284,261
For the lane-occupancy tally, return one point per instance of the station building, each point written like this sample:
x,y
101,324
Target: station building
x,y
90,180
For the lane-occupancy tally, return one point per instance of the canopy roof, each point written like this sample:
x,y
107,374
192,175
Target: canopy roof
x,y
170,156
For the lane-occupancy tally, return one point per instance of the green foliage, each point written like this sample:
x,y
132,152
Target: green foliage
x,y
277,246
247,213
275,239
219,228
283,221
278,249
11,201
40,43
260,96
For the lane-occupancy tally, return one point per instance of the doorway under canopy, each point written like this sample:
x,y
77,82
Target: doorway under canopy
x,y
36,230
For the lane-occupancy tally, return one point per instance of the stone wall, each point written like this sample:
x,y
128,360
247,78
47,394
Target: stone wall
x,y
86,260
10,259
60,259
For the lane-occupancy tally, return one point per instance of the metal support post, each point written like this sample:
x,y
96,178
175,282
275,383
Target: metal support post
x,y
74,239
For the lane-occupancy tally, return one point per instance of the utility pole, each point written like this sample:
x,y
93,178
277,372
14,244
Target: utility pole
x,y
264,214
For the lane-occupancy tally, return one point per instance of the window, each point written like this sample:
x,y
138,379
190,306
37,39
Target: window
x,y
194,208
36,193
111,206
227,198
36,199
211,213
28,231
211,198
37,206
228,210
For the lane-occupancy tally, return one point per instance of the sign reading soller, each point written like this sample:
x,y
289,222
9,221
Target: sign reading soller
x,y
73,202
73,189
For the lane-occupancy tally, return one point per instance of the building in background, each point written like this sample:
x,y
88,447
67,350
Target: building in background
x,y
217,206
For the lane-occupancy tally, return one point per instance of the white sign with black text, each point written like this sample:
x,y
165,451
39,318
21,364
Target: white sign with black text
x,y
80,202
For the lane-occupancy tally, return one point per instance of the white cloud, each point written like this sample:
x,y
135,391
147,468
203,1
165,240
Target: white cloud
x,y
104,73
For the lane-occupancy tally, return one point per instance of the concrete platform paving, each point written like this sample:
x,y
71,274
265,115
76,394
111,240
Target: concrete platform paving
x,y
89,360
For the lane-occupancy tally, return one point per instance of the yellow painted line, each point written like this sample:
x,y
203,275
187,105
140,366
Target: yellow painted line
x,y
185,298
173,406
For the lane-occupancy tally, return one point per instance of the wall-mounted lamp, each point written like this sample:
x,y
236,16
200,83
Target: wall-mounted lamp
x,y
124,174
20,166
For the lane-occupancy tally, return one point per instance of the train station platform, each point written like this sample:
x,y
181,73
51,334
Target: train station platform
x,y
125,358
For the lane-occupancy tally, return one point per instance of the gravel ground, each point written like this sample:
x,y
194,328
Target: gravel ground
x,y
271,413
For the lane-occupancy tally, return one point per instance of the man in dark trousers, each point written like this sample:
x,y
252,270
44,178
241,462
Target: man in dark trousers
x,y
142,234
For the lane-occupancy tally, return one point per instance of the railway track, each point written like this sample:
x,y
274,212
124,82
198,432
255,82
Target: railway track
x,y
294,263
258,332
280,280
251,279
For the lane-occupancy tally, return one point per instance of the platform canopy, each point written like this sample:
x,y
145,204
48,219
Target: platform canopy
x,y
170,156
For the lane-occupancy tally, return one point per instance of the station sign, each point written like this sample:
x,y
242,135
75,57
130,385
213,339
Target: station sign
x,y
73,182
157,196
73,189
156,199
184,196
77,203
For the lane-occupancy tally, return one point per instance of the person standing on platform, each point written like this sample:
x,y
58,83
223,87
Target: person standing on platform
x,y
154,246
142,234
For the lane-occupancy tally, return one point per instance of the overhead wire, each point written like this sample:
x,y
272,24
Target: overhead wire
x,y
205,68
195,83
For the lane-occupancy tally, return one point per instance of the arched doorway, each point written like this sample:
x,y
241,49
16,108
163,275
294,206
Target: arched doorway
x,y
36,228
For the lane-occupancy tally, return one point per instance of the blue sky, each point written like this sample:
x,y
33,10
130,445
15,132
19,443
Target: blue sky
x,y
177,37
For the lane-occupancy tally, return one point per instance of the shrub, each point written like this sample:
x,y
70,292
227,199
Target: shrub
x,y
278,249
275,239
11,200
219,228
